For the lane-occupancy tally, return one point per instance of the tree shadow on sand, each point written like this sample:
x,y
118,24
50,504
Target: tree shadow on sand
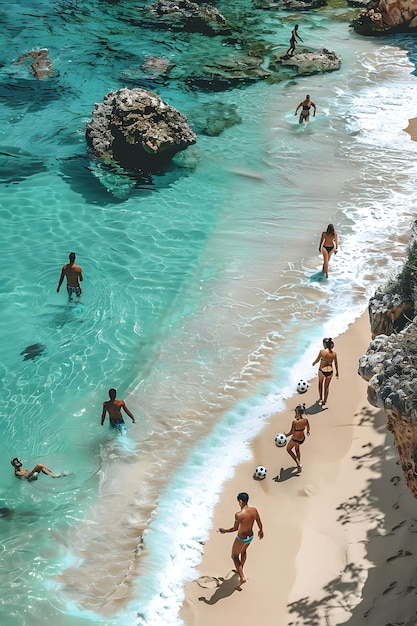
x,y
383,504
224,587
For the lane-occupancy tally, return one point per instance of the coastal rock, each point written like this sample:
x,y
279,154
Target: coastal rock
x,y
389,312
299,5
390,363
41,66
310,62
190,16
215,117
386,16
137,130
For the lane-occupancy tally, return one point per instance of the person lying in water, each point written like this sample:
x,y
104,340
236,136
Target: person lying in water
x,y
21,472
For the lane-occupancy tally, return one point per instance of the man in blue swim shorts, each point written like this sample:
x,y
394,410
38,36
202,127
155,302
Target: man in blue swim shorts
x,y
114,408
244,521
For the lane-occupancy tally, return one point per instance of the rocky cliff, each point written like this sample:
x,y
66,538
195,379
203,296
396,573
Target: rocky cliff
x,y
386,16
390,364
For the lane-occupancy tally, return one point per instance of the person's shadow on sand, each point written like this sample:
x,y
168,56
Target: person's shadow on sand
x,y
286,474
224,586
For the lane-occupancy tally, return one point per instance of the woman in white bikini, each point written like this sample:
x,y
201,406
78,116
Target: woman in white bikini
x,y
329,243
327,356
298,426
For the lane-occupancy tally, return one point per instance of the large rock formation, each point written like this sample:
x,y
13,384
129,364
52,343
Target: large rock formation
x,y
390,364
137,130
386,16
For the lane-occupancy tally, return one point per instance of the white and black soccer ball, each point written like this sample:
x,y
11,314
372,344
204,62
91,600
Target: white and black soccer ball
x,y
302,386
280,440
260,472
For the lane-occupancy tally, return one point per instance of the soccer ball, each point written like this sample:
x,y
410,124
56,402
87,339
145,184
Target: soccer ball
x,y
302,386
280,440
260,472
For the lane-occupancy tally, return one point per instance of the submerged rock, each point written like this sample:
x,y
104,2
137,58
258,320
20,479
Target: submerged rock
x,y
41,66
190,16
386,16
137,130
33,351
17,164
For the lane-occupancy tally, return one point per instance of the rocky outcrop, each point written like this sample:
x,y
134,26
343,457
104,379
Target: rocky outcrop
x,y
310,62
229,72
390,364
386,16
41,66
137,130
389,312
390,367
189,16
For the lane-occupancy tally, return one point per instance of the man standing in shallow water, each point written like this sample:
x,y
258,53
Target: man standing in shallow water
x,y
244,521
114,408
73,273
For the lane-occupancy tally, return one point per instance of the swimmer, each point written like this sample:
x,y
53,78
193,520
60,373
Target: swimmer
x,y
21,472
114,408
244,521
305,107
298,426
73,273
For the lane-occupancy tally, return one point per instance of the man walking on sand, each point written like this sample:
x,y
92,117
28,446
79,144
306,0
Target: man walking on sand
x,y
114,408
244,521
73,273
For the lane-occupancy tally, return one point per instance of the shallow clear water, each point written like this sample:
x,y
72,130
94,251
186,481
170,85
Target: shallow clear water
x,y
202,300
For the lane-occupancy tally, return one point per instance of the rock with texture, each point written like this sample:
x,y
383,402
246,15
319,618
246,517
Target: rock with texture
x,y
386,16
190,16
137,130
313,62
41,63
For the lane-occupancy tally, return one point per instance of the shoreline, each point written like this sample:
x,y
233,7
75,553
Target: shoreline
x,y
329,509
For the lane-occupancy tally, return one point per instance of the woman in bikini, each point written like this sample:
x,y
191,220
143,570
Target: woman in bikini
x,y
329,243
298,426
305,107
327,356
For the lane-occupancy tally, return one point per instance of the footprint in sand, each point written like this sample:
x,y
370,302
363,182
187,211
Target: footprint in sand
x,y
399,554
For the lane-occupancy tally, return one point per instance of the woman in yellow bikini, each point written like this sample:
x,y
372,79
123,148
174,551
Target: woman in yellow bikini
x,y
327,356
298,426
329,243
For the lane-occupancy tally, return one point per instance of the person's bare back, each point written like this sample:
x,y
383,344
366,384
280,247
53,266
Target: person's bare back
x,y
246,519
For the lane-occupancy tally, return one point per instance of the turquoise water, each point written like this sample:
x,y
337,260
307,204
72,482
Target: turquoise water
x,y
200,303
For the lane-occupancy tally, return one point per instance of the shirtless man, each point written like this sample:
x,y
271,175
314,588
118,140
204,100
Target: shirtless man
x,y
293,41
244,520
73,273
21,472
305,107
114,408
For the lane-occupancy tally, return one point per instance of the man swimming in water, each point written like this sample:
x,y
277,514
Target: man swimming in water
x,y
73,273
21,472
244,521
114,408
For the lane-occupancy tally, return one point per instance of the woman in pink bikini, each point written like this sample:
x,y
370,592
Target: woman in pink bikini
x,y
327,356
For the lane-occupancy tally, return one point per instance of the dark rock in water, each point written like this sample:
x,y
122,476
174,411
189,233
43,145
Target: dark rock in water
x,y
17,164
41,66
189,16
214,117
137,130
300,5
5,511
31,352
228,72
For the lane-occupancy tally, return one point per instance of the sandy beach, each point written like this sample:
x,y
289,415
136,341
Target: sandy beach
x,y
337,536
